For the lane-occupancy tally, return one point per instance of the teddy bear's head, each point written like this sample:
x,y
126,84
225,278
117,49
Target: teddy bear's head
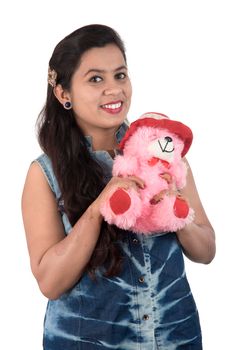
x,y
155,137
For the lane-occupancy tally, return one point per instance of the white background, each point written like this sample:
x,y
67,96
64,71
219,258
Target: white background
x,y
186,60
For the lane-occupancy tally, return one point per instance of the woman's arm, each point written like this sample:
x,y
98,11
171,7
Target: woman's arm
x,y
57,260
197,238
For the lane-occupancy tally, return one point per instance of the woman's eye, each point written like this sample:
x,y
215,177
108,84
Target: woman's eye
x,y
95,79
120,76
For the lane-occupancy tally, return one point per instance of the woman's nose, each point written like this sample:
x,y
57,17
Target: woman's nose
x,y
112,89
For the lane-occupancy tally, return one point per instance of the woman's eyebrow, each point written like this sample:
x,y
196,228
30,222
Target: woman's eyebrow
x,y
97,70
120,68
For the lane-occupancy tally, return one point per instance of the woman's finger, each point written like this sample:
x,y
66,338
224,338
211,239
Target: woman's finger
x,y
139,182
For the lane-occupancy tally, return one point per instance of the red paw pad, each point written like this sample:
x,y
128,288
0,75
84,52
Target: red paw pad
x,y
181,208
120,201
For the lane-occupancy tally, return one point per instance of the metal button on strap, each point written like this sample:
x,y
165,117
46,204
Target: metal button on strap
x,y
141,279
146,317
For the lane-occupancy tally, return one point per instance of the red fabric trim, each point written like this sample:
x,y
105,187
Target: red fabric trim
x,y
181,208
155,160
120,201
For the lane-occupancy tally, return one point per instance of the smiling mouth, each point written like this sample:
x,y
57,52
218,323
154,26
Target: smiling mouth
x,y
166,148
113,107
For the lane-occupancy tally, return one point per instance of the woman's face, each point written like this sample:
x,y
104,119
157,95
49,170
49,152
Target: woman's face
x,y
101,89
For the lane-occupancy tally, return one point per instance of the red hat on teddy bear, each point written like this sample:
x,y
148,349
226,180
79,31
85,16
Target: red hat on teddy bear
x,y
158,120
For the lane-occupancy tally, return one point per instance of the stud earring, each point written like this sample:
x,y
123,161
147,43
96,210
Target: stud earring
x,y
67,105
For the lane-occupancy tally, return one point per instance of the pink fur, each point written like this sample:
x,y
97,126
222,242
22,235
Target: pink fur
x,y
140,157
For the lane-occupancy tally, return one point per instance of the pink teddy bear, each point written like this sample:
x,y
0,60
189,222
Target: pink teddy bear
x,y
153,148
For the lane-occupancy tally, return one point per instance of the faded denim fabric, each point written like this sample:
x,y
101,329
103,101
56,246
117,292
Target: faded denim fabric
x,y
148,306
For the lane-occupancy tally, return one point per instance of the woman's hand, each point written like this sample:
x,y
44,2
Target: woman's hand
x,y
115,183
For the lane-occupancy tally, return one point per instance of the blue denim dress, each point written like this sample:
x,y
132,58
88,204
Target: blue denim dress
x,y
148,306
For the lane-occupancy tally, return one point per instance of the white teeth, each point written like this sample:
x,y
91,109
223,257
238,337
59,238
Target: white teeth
x,y
113,106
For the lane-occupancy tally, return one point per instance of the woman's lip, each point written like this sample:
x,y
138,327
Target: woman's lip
x,y
111,103
112,110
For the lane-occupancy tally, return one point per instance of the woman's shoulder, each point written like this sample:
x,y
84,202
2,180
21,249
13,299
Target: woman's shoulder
x,y
42,166
43,160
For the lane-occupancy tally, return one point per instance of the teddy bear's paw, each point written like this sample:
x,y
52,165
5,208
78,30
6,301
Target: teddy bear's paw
x,y
181,208
120,201
122,208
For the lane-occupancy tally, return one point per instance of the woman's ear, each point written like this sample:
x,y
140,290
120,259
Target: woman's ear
x,y
61,94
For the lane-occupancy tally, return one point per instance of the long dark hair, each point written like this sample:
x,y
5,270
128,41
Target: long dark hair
x,y
79,176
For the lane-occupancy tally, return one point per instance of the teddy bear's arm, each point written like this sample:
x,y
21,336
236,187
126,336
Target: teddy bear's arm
x,y
125,166
179,171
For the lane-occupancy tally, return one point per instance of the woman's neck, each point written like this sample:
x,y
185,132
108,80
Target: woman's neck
x,y
104,140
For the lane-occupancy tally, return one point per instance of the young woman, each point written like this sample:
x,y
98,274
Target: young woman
x,y
107,288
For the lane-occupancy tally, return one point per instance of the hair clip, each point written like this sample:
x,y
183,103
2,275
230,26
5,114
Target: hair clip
x,y
52,77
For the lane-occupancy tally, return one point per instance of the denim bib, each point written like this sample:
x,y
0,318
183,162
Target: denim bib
x,y
148,306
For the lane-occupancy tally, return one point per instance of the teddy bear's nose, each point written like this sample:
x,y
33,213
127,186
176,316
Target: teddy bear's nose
x,y
168,139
